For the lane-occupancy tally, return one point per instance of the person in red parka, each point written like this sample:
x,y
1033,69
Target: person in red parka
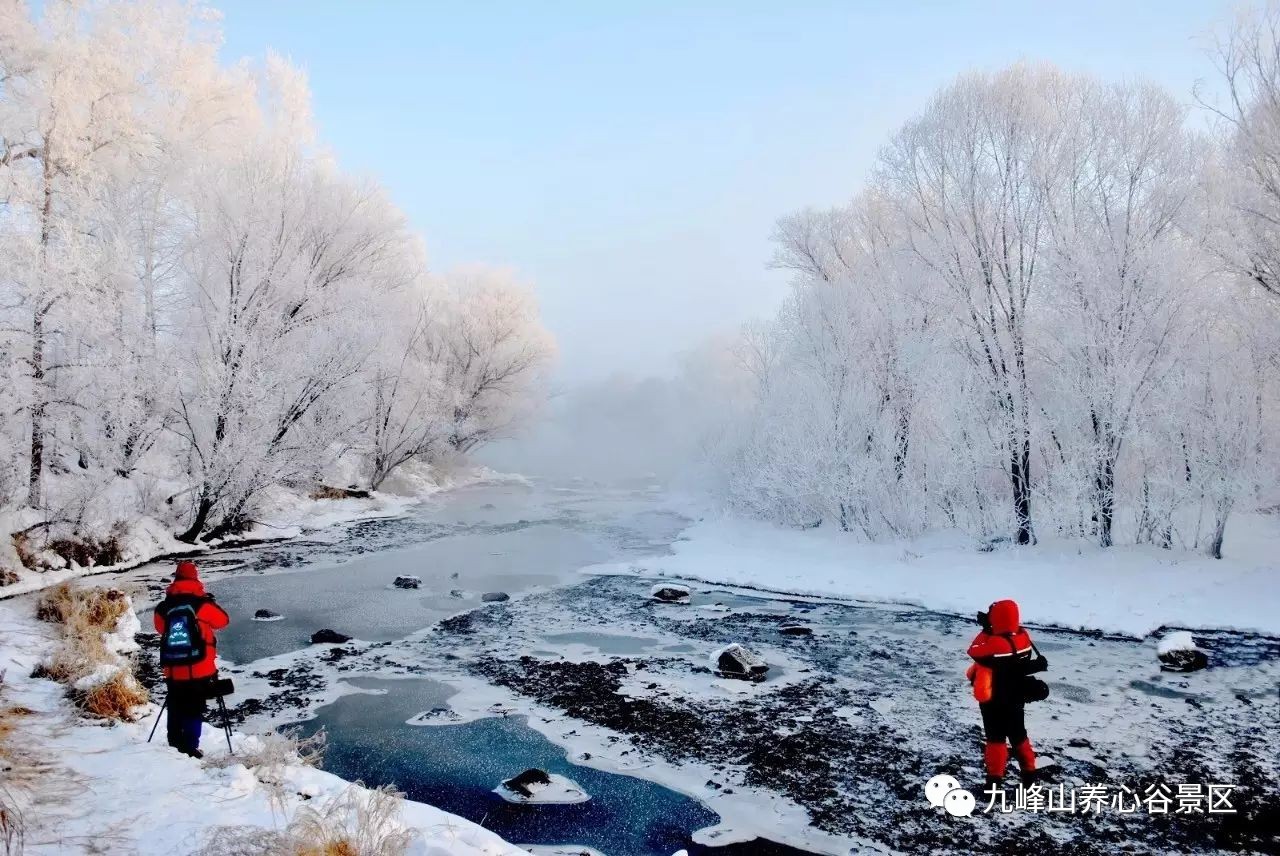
x,y
188,653
1004,647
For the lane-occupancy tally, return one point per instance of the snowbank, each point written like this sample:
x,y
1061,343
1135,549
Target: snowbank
x,y
137,797
1130,590
284,514
144,540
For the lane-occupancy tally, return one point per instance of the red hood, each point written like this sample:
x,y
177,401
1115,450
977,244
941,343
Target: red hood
x,y
191,587
1004,617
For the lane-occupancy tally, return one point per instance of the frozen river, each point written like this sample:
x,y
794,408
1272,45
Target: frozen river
x,y
587,677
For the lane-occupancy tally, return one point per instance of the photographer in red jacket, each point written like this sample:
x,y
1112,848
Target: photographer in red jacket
x,y
187,621
1003,659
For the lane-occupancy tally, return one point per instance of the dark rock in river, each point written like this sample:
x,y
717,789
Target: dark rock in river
x,y
1184,661
495,596
320,637
527,782
265,615
1178,652
737,662
795,630
668,593
408,582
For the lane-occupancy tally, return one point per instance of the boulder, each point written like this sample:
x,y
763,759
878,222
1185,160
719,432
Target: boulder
x,y
535,787
321,637
528,783
795,630
736,661
1178,652
457,593
495,596
669,593
407,582
266,615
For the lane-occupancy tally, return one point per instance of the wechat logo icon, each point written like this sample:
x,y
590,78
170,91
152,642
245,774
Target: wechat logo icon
x,y
944,792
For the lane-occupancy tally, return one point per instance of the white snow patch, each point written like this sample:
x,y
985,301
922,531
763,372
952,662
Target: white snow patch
x,y
1179,640
1130,590
560,791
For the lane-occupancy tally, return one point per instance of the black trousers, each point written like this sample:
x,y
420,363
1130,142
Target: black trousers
x,y
186,706
1004,720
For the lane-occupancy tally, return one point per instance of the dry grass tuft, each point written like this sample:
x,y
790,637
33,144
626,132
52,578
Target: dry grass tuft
x,y
269,755
276,750
25,547
356,822
11,825
87,618
82,609
114,698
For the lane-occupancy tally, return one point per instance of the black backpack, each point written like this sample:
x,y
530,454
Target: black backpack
x,y
182,643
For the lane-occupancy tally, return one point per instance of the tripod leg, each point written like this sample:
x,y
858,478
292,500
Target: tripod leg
x,y
226,724
158,715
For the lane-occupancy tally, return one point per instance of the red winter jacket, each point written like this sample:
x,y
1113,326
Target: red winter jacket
x,y
1005,649
211,618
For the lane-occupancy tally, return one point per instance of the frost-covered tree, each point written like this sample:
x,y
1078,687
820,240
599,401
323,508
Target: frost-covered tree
x,y
1028,303
967,176
405,393
1247,53
288,259
492,350
1124,268
196,305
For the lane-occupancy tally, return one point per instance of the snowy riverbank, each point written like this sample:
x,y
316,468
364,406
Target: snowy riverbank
x,y
1128,590
83,785
286,515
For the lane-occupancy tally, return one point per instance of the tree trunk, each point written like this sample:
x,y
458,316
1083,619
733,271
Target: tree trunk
x,y
35,475
1104,480
1105,485
1020,476
901,444
39,403
203,509
1223,511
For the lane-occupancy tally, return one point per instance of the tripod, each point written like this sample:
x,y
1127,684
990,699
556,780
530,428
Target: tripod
x,y
226,723
226,720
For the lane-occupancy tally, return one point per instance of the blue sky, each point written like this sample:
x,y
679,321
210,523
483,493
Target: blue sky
x,y
630,158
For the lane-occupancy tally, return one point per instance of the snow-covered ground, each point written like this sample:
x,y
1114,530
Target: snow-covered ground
x,y
285,514
103,788
1130,590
